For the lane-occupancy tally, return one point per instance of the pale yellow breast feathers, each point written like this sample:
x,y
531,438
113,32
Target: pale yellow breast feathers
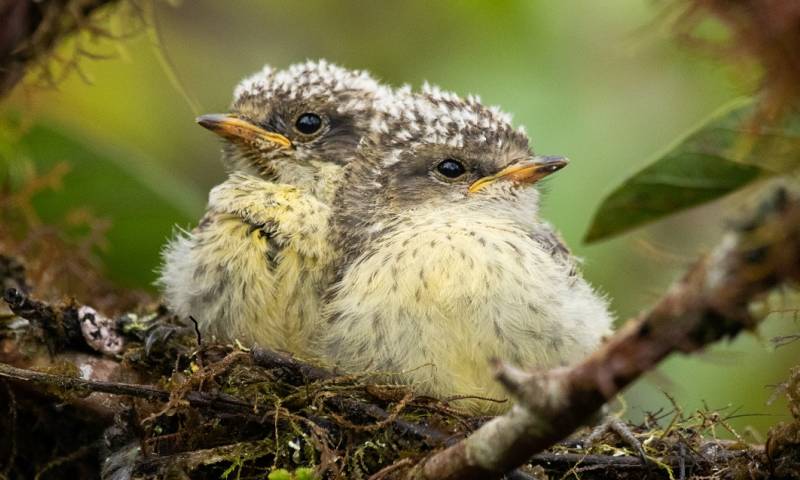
x,y
254,269
450,290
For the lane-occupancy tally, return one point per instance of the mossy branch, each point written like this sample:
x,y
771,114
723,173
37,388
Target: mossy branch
x,y
31,29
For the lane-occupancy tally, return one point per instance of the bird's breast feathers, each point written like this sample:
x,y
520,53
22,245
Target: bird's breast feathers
x,y
484,279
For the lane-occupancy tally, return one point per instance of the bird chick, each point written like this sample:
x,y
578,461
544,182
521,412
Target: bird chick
x,y
254,267
445,262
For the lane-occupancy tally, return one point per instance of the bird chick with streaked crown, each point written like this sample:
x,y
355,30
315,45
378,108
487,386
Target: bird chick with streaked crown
x,y
446,263
297,126
255,266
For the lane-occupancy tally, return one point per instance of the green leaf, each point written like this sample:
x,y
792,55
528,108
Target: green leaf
x,y
142,203
722,155
279,474
304,473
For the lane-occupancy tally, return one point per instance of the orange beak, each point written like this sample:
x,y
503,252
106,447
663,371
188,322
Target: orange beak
x,y
528,171
241,131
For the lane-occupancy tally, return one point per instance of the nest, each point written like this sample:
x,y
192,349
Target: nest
x,y
172,404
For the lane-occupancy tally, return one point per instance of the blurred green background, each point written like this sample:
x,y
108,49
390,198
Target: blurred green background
x,y
602,82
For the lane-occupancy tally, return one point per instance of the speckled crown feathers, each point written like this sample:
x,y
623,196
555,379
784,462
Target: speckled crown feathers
x,y
438,117
399,119
313,79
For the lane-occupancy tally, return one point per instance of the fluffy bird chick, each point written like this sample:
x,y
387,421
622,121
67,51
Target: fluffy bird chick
x,y
255,266
446,262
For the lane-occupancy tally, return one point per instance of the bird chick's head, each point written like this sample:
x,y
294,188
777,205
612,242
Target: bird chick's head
x,y
437,150
284,124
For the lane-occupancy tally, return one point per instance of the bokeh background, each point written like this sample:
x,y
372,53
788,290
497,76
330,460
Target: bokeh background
x,y
604,83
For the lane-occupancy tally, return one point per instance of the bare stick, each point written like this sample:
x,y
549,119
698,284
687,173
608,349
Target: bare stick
x,y
294,369
709,303
564,461
220,402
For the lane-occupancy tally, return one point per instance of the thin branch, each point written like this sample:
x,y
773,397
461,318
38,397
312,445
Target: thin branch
x,y
709,303
216,401
192,460
563,460
292,370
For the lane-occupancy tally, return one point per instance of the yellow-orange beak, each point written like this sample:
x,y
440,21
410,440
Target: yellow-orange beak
x,y
528,171
241,131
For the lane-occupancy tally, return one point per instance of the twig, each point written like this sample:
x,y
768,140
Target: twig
x,y
709,303
216,401
196,331
298,372
294,370
558,460
70,457
189,461
385,471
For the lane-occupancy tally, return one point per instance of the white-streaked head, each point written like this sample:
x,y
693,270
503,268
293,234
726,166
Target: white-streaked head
x,y
300,118
436,148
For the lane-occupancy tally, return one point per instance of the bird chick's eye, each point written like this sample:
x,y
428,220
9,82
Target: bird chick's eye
x,y
308,123
451,168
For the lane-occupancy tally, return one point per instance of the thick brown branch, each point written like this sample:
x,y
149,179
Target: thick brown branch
x,y
709,303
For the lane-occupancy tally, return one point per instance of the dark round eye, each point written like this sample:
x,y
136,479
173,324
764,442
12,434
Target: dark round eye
x,y
451,168
308,123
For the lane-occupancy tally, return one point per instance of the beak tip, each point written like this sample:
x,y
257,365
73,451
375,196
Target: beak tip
x,y
207,121
554,159
552,163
